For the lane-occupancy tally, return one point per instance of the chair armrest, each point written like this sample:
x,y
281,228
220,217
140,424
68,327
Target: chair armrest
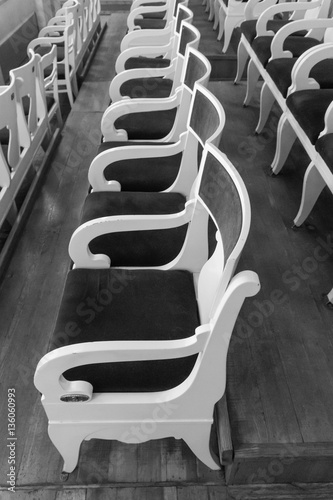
x,y
47,40
146,51
50,382
126,106
139,11
147,37
300,79
130,74
139,3
253,6
269,13
79,244
287,30
50,30
102,160
58,20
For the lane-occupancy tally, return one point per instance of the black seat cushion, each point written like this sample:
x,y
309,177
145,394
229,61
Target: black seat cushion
x,y
147,87
150,24
45,49
147,62
297,45
111,304
139,248
280,72
309,108
324,146
142,174
147,126
249,28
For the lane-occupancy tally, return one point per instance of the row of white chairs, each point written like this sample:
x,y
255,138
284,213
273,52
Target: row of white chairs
x,y
163,326
71,30
28,105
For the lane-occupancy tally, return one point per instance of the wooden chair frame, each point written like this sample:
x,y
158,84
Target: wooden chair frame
x,y
168,50
173,71
187,143
180,99
219,302
310,10
66,37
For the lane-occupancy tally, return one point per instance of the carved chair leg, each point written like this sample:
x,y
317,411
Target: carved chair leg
x,y
198,440
286,137
252,80
242,57
266,103
313,184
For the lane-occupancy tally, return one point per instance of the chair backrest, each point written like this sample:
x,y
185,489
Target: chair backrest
x,y
223,194
10,150
29,90
205,123
15,142
71,11
196,68
189,37
48,69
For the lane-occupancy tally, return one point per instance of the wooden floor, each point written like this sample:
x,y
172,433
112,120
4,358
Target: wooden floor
x,y
280,364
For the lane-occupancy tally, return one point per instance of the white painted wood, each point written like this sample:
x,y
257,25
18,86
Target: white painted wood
x,y
185,411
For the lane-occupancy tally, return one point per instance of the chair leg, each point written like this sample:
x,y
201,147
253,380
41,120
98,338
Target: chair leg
x,y
266,103
67,439
313,184
216,14
253,75
242,57
211,10
198,441
222,18
229,26
286,137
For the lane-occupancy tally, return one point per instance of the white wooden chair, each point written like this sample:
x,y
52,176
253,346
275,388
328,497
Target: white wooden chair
x,y
153,17
48,69
30,94
70,11
149,179
150,36
257,47
157,120
155,82
169,346
64,38
228,15
277,74
151,54
15,157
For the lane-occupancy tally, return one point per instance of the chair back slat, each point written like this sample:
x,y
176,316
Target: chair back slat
x,y
223,194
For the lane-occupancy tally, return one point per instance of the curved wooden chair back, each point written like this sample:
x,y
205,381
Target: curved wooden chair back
x,y
30,91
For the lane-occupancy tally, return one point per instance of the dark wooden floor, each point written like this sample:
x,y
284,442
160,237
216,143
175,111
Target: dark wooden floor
x,y
280,365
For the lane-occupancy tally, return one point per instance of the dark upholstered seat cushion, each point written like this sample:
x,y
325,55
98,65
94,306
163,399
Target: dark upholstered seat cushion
x,y
280,72
324,146
138,248
147,62
147,87
142,174
297,45
147,126
45,49
150,24
114,304
249,28
309,108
